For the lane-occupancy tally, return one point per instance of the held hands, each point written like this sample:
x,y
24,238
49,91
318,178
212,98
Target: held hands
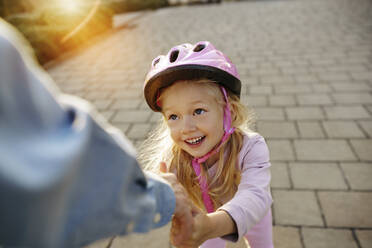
x,y
200,231
190,226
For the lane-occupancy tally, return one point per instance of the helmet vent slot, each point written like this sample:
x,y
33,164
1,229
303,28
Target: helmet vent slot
x,y
199,47
156,62
173,56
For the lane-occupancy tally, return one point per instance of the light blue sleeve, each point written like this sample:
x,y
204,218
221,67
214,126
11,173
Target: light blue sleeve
x,y
67,178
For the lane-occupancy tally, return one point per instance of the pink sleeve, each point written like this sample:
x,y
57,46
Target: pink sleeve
x,y
252,200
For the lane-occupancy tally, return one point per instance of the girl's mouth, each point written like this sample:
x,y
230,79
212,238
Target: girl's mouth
x,y
195,141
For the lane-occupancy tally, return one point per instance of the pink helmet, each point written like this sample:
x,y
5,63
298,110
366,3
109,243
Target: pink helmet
x,y
186,62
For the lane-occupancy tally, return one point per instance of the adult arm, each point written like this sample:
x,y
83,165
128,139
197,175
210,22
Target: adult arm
x,y
67,178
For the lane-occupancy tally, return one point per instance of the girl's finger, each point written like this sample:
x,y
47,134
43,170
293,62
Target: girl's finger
x,y
163,167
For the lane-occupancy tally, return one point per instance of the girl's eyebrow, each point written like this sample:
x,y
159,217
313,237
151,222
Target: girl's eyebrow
x,y
193,102
199,101
165,110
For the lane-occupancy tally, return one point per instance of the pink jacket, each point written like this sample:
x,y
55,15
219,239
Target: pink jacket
x,y
250,206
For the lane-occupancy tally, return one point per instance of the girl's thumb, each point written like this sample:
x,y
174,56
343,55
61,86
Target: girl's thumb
x,y
163,167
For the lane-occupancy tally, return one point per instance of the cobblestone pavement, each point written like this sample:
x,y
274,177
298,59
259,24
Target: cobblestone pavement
x,y
306,67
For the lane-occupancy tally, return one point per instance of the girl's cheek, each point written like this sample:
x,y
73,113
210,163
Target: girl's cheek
x,y
174,136
173,130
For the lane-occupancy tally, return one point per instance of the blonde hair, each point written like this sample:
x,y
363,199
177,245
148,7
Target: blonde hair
x,y
160,147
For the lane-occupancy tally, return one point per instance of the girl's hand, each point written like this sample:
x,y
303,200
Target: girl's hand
x,y
206,226
202,227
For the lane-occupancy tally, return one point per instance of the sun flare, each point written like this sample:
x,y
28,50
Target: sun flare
x,y
70,5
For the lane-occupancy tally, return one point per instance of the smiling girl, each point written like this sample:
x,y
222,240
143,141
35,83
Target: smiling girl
x,y
206,143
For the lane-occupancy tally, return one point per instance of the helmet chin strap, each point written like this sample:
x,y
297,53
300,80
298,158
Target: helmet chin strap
x,y
196,162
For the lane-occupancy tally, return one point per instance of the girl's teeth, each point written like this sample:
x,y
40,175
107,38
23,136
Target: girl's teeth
x,y
194,141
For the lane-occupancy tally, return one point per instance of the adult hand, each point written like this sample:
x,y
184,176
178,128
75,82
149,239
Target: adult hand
x,y
201,229
183,222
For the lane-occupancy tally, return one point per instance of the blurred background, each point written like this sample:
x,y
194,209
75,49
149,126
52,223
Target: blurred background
x,y
55,26
306,68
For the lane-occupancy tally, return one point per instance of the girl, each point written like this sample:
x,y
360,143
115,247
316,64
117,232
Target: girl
x,y
205,141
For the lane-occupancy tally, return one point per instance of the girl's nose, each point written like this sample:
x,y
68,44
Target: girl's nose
x,y
188,125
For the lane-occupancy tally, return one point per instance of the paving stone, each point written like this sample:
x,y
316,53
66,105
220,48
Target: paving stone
x,y
279,175
322,62
126,104
349,98
328,176
100,243
127,94
351,86
277,129
346,112
131,116
97,95
365,238
306,79
254,100
283,63
314,99
282,100
143,105
286,237
102,104
363,148
304,113
114,86
250,80
292,89
356,58
139,131
137,143
260,90
108,114
362,75
157,238
280,150
269,113
72,88
348,68
358,175
342,129
318,69
267,71
334,76
124,127
369,107
310,129
298,69
328,238
367,127
323,150
296,208
276,80
347,209
321,88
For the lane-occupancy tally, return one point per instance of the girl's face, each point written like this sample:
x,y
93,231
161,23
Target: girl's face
x,y
194,117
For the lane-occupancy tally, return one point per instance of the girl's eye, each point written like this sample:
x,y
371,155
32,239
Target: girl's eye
x,y
172,117
199,111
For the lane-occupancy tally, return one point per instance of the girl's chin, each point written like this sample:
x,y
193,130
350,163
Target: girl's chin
x,y
196,154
